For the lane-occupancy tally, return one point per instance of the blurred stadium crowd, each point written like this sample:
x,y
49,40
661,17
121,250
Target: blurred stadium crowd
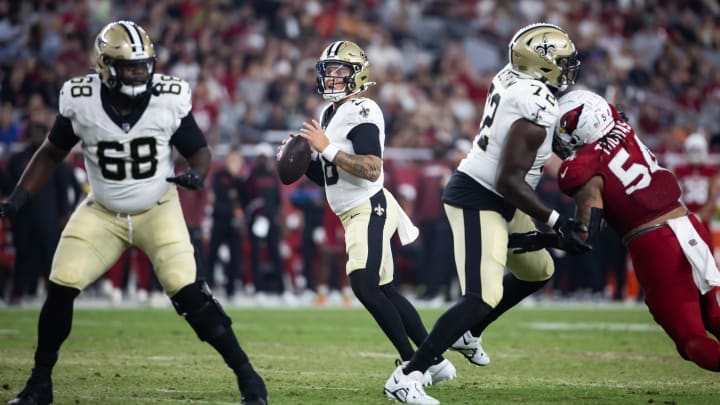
x,y
252,68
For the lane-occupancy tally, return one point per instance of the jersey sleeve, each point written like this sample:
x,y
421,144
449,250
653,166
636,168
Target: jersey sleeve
x,y
535,102
575,172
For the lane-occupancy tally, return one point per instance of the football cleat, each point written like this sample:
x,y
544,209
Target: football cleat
x,y
256,401
253,390
37,391
440,372
470,347
407,389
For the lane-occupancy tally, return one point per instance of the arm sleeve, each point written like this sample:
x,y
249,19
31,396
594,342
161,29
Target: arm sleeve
x,y
365,139
315,173
62,134
188,138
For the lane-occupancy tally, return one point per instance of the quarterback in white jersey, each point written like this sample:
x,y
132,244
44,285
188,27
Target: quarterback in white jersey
x,y
345,190
492,195
350,140
127,119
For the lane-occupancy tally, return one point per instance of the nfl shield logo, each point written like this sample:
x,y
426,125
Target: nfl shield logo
x,y
125,127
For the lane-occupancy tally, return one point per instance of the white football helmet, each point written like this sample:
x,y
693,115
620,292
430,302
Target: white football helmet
x,y
545,52
585,117
343,56
696,148
122,45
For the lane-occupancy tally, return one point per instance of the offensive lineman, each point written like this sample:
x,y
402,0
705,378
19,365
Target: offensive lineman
x,y
492,194
127,118
350,140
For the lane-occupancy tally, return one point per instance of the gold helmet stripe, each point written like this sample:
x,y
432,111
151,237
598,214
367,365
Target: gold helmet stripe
x,y
134,34
334,48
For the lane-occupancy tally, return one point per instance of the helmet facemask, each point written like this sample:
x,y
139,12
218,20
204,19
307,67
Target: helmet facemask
x,y
333,73
570,69
130,77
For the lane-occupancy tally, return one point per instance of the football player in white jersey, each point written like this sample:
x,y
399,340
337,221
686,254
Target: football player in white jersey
x,y
127,119
350,139
492,194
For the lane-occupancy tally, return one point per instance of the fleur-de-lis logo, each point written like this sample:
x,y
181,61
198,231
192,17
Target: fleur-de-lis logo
x,y
544,49
379,210
364,111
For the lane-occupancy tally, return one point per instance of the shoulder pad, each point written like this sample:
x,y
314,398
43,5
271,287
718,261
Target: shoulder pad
x,y
173,92
365,110
75,90
535,102
577,170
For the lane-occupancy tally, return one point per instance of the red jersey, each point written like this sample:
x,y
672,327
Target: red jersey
x,y
695,181
636,189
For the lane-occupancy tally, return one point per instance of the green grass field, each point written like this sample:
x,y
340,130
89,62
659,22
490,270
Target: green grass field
x,y
339,356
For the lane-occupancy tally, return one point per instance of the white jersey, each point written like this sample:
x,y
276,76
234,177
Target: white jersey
x,y
512,96
126,164
345,191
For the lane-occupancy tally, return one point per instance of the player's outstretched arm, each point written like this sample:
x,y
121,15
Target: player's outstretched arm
x,y
34,177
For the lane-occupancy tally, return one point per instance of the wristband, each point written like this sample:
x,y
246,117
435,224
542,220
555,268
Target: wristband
x,y
330,152
552,219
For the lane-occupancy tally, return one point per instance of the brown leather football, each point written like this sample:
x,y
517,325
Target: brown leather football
x,y
294,159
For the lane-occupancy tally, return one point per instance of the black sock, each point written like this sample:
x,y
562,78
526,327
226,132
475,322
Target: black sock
x,y
227,345
54,325
410,317
469,310
514,291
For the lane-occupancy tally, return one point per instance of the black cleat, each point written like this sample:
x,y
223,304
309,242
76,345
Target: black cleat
x,y
255,401
37,391
253,390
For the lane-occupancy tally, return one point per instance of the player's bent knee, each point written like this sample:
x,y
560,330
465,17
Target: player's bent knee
x,y
201,310
703,351
364,282
60,293
177,272
539,266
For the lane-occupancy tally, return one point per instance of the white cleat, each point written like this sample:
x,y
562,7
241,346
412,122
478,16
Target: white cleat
x,y
407,389
440,372
470,347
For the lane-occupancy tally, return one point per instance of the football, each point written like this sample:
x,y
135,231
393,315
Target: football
x,y
294,159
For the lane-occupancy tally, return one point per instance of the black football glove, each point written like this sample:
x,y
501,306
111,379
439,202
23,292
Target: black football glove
x,y
10,207
190,180
7,209
532,241
567,230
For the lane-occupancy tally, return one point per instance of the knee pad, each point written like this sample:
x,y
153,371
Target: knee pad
x,y
201,310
